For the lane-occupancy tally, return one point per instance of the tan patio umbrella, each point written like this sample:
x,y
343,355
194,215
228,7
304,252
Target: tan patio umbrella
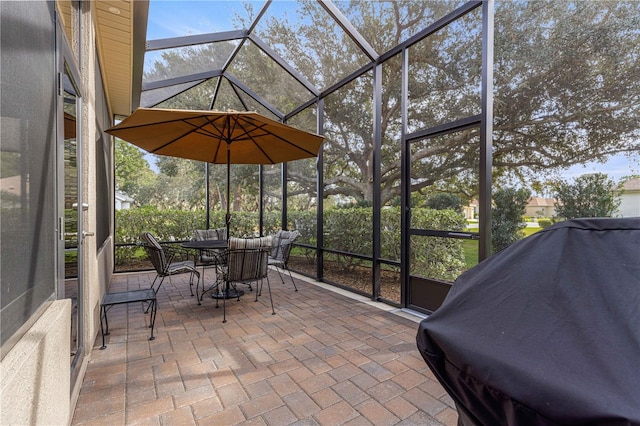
x,y
217,137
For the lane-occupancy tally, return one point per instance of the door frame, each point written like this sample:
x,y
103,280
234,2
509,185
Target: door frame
x,y
424,294
66,64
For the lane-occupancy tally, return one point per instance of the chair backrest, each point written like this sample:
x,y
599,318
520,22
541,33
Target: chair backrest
x,y
210,234
247,258
282,242
155,252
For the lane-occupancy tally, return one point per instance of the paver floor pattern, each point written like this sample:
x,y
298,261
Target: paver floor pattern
x,y
323,359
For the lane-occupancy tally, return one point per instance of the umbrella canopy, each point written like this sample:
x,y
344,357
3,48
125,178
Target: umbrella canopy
x,y
230,137
216,137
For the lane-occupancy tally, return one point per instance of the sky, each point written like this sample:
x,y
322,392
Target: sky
x,y
617,167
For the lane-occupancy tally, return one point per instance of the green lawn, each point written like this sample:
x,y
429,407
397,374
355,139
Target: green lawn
x,y
471,248
531,231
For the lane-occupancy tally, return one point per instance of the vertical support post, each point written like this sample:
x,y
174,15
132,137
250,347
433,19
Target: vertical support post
x,y
261,198
377,196
486,131
285,195
405,178
320,196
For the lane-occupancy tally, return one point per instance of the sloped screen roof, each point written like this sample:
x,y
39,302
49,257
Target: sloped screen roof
x,y
275,57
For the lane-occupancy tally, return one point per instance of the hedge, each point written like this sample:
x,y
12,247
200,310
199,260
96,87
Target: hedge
x,y
345,230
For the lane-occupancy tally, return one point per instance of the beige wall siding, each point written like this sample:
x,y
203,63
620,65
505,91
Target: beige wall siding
x,y
35,374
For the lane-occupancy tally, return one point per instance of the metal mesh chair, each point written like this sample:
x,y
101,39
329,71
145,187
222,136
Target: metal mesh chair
x,y
167,262
282,243
209,258
246,262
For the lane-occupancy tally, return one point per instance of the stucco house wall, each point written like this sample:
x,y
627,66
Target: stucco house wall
x,y
540,207
629,199
35,373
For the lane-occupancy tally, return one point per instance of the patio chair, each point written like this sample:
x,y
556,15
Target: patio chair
x,y
246,263
210,234
167,261
282,243
209,258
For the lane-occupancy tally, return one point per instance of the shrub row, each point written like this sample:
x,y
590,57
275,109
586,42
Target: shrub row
x,y
345,230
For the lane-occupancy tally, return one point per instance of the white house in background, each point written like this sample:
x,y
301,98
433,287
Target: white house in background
x,y
540,207
123,201
629,199
471,211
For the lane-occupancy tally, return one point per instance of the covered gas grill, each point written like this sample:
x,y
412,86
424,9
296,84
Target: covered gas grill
x,y
545,332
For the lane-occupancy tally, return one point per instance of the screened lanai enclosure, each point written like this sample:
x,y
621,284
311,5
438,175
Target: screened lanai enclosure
x,y
429,109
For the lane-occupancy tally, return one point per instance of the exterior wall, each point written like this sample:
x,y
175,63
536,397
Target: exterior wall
x,y
35,374
540,207
629,204
629,199
540,211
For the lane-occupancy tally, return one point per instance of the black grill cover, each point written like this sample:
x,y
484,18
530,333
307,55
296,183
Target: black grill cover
x,y
546,331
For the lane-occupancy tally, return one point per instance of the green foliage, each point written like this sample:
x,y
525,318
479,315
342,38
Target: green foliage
x,y
9,164
506,216
589,195
444,201
347,230
435,257
166,225
133,176
545,223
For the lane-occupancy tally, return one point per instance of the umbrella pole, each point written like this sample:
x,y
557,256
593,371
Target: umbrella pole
x,y
228,217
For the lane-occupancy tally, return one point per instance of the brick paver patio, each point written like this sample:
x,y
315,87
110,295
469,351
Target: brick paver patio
x,y
323,359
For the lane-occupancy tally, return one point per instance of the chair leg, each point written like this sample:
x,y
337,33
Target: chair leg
x,y
103,316
273,311
197,274
156,290
224,307
191,280
154,282
279,273
152,318
292,280
258,289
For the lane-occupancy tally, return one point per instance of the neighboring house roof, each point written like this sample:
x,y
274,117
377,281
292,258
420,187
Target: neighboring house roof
x,y
541,202
631,185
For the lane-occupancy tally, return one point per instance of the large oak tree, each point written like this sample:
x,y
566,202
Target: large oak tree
x,y
566,89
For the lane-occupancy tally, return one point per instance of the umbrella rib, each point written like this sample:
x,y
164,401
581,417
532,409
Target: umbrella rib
x,y
280,138
236,123
195,129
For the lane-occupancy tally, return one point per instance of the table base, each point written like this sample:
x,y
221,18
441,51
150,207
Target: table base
x,y
227,294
